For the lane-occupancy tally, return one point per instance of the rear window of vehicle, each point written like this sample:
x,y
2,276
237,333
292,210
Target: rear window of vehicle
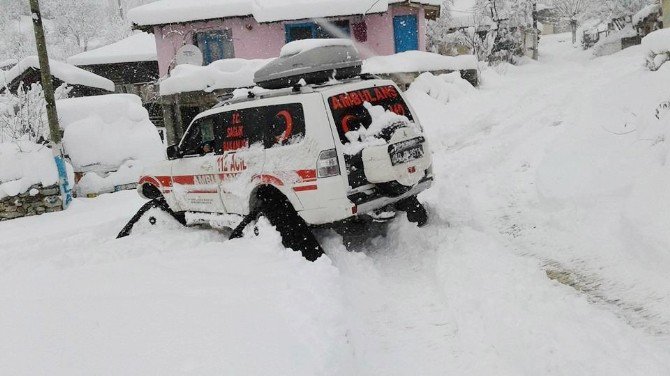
x,y
350,114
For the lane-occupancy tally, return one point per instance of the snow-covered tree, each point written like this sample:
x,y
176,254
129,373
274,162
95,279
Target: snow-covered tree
x,y
83,23
607,10
23,115
572,11
71,26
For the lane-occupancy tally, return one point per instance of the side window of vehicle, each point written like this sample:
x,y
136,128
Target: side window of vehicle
x,y
240,130
269,125
283,124
200,138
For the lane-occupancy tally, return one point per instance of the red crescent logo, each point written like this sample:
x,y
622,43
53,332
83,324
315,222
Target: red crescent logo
x,y
345,123
289,126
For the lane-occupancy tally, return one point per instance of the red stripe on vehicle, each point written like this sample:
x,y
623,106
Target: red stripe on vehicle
x,y
307,175
184,179
269,179
306,188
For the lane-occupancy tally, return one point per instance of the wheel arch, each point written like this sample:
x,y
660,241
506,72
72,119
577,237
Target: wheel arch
x,y
255,198
149,188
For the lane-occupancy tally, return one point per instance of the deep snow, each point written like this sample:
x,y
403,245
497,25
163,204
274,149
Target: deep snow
x,y
546,254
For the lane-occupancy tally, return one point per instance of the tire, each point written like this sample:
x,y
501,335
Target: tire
x,y
294,231
416,212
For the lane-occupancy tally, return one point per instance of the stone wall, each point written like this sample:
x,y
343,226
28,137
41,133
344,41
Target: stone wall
x,y
37,200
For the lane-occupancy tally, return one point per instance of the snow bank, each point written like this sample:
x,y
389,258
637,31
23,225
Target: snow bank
x,y
444,88
417,61
94,182
24,164
221,74
103,132
167,301
138,47
63,71
612,43
657,48
298,46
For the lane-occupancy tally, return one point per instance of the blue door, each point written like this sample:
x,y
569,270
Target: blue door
x,y
406,32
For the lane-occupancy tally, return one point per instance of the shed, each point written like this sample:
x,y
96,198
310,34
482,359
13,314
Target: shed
x,y
83,83
132,64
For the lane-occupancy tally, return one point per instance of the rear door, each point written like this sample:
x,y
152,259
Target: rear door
x,y
195,179
242,159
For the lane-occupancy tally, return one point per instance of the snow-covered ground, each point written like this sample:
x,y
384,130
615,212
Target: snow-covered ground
x,y
547,253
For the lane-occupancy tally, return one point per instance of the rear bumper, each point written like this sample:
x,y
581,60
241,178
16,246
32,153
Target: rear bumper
x,y
358,203
374,202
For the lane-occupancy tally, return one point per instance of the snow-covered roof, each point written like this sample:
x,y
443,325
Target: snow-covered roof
x,y
417,61
646,12
65,72
8,63
138,47
221,74
176,11
466,21
461,7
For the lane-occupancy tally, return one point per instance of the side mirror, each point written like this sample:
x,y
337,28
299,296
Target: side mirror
x,y
173,152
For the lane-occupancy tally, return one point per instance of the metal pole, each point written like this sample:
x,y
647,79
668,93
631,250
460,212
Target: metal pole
x,y
536,33
48,89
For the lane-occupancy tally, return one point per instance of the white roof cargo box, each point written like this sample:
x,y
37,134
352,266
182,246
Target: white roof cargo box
x,y
313,60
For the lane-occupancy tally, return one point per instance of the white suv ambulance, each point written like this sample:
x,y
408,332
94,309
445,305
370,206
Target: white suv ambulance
x,y
303,156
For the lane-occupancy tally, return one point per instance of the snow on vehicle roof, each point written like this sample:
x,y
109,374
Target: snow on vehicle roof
x,y
221,74
417,61
65,72
299,46
104,131
175,11
138,47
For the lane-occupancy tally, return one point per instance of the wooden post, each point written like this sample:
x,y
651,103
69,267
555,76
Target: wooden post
x,y
52,114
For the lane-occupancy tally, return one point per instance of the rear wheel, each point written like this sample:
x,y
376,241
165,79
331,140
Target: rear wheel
x,y
416,212
294,231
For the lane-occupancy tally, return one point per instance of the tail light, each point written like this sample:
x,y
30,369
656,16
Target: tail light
x,y
328,164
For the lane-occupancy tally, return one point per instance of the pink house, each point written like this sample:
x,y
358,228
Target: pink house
x,y
258,29
252,29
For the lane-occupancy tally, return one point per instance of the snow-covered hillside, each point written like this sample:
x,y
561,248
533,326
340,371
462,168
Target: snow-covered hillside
x,y
547,254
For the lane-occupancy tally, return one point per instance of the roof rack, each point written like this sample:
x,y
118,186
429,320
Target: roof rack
x,y
286,91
